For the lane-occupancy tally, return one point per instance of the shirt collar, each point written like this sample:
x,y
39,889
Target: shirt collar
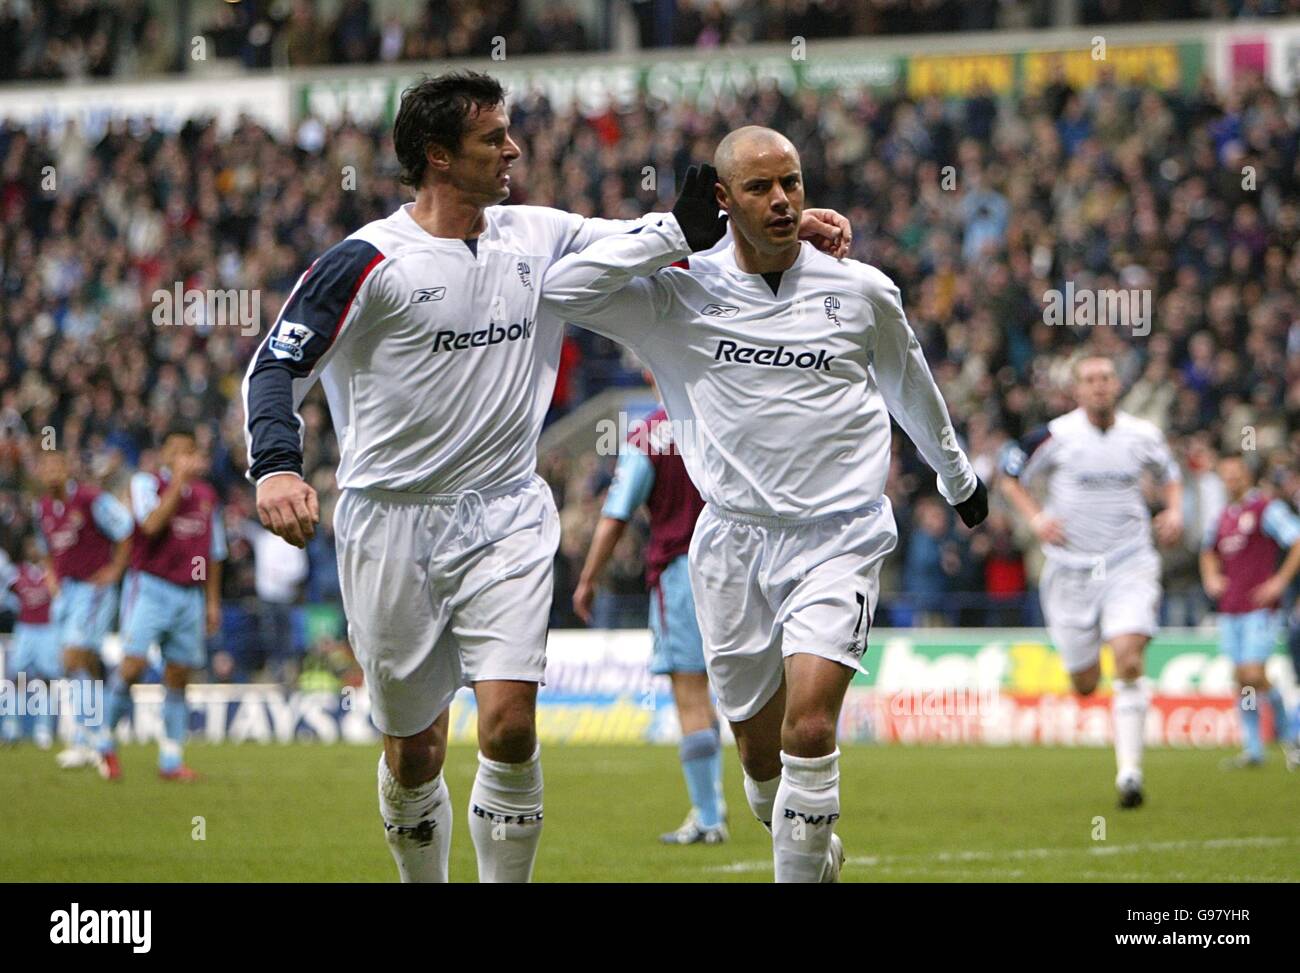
x,y
727,259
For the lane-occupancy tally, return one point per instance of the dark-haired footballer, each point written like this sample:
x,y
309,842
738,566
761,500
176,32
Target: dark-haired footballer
x,y
172,594
438,366
1249,556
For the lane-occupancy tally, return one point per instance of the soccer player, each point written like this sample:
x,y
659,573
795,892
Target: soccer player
x,y
650,472
1101,580
85,533
172,595
35,641
783,366
438,365
1240,570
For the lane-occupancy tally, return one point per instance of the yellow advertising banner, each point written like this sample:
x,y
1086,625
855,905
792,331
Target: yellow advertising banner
x,y
959,75
1158,65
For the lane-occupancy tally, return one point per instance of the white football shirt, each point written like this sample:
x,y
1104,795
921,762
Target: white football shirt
x,y
437,363
779,402
1093,481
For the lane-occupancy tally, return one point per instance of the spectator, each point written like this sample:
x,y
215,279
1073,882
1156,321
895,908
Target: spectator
x,y
932,561
279,572
306,38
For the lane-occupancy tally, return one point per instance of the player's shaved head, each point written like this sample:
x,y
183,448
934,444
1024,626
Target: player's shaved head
x,y
740,146
760,185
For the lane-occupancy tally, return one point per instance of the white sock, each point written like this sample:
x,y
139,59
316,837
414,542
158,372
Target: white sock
x,y
505,818
803,817
1130,710
762,797
417,825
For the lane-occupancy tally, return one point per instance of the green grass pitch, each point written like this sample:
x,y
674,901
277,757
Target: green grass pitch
x,y
309,813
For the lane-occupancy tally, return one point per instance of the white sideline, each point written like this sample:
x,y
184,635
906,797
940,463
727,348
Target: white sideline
x,y
888,861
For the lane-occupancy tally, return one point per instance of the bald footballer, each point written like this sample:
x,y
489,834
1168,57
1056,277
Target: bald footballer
x,y
780,367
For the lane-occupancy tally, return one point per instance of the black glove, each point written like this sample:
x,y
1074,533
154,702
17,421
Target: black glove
x,y
974,508
696,208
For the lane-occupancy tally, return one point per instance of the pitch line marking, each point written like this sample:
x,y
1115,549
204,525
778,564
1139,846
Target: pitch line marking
x,y
943,857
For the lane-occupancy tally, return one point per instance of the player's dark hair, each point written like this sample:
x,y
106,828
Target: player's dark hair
x,y
436,111
1247,460
180,427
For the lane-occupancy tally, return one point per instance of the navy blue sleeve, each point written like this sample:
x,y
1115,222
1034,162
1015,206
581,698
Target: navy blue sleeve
x,y
306,328
1014,456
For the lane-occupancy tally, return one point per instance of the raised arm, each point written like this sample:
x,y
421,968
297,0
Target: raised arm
x,y
605,285
913,398
153,511
826,229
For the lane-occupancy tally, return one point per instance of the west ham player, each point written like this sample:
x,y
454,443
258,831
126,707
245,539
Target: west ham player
x,y
36,639
1101,580
438,366
650,472
1240,570
172,595
85,532
784,366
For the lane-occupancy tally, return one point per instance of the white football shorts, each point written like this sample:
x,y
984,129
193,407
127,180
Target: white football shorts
x,y
442,591
766,588
1085,607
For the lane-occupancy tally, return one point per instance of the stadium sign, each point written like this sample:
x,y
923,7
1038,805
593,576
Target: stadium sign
x,y
597,86
168,105
958,75
376,99
974,686
1161,66
1274,54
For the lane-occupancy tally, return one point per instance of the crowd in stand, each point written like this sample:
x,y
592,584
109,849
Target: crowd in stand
x,y
44,40
1191,196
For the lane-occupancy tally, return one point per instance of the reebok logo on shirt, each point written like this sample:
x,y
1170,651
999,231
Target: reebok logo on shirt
x,y
492,335
1106,480
721,310
778,357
